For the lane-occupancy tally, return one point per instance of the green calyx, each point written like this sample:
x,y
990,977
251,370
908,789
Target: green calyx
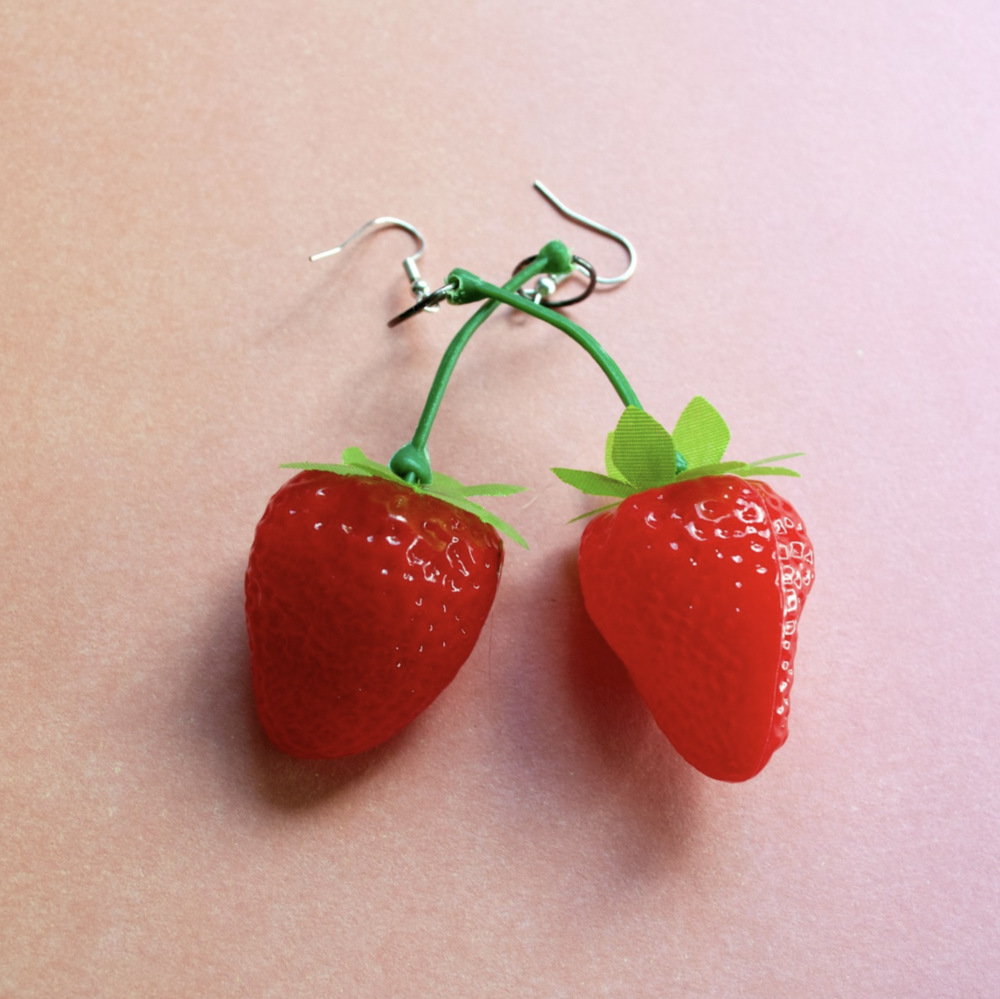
x,y
355,462
640,454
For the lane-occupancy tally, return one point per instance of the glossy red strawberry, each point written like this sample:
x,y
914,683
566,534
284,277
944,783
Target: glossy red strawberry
x,y
364,596
698,587
697,584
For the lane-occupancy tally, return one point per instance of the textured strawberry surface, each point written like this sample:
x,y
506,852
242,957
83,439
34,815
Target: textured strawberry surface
x,y
363,600
698,587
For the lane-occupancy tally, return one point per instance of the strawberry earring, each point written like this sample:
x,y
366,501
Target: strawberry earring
x,y
696,576
368,584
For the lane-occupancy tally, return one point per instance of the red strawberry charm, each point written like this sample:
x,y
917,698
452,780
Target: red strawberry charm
x,y
697,580
365,594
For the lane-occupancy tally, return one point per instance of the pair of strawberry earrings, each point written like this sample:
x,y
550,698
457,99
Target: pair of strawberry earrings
x,y
368,584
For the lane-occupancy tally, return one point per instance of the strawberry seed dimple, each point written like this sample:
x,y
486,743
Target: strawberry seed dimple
x,y
710,510
750,513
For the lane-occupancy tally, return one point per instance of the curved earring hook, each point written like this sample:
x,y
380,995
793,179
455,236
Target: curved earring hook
x,y
418,285
596,227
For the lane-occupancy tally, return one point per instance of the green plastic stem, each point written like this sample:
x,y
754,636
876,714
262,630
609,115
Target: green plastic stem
x,y
411,461
604,360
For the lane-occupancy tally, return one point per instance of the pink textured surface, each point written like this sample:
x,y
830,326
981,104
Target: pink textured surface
x,y
813,191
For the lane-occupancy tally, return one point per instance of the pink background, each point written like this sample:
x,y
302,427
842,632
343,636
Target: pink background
x,y
813,190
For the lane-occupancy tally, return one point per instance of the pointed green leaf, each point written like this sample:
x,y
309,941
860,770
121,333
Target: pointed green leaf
x,y
593,483
701,434
355,456
718,468
775,457
443,485
492,489
379,471
609,461
642,450
590,513
489,517
771,470
310,466
376,471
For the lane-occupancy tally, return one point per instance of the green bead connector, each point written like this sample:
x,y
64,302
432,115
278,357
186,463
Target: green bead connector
x,y
413,464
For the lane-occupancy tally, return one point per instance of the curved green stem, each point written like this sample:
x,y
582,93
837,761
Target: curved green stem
x,y
411,461
604,360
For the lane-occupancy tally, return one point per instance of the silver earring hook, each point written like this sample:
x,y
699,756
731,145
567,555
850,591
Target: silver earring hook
x,y
418,285
596,227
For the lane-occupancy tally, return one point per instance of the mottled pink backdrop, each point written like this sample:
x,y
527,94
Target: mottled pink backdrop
x,y
813,190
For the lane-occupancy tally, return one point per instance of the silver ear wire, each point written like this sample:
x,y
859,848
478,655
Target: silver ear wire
x,y
418,285
547,284
596,227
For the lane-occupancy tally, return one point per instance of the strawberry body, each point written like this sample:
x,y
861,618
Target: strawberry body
x,y
363,600
698,587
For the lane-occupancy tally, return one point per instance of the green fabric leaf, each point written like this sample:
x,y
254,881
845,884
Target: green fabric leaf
x,y
642,450
443,485
311,466
609,461
492,489
775,457
770,470
718,468
701,434
593,483
590,513
379,471
355,456
490,518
